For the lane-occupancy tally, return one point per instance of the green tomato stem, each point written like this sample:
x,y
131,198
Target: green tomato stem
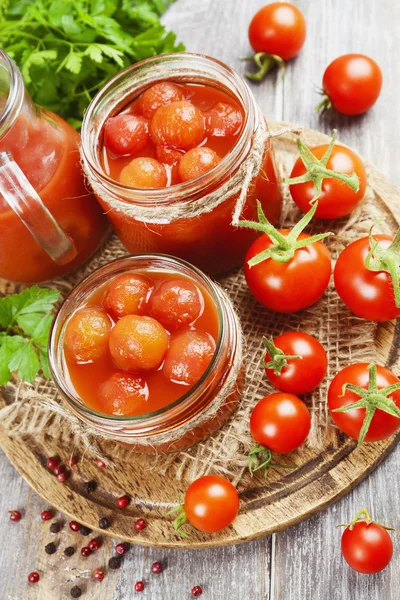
x,y
265,62
278,358
388,260
324,105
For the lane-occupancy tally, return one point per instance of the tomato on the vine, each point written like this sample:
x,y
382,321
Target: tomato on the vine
x,y
351,84
211,504
286,270
280,422
366,546
295,362
364,402
366,277
277,33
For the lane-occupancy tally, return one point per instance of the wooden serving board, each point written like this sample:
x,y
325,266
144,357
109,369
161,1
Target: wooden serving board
x,y
267,506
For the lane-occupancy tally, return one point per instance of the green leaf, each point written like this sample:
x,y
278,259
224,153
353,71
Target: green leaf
x,y
44,362
6,311
73,62
35,299
9,346
103,7
42,330
25,362
70,26
94,51
29,322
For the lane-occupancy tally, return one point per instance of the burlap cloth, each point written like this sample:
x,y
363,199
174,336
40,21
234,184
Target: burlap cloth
x,y
36,409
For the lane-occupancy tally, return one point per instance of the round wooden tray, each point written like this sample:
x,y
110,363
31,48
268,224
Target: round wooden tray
x,y
267,506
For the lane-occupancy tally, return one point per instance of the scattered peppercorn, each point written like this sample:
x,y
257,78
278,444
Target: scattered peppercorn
x,y
15,515
122,502
72,461
55,527
69,551
62,477
94,544
74,525
157,568
52,462
100,463
58,469
140,524
85,551
98,574
33,577
46,515
90,486
85,530
121,548
197,591
139,586
76,592
114,562
50,548
104,523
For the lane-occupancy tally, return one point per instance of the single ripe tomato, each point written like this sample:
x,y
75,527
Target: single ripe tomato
x,y
179,125
176,303
368,294
126,134
211,503
278,28
298,362
367,547
127,294
382,424
87,334
157,95
352,84
144,173
281,422
124,394
223,120
337,199
196,162
188,356
290,286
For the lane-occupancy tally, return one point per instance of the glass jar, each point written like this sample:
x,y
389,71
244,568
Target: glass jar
x,y
49,221
195,415
142,218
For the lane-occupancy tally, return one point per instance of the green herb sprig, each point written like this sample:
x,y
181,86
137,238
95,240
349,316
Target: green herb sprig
x,y
68,49
25,322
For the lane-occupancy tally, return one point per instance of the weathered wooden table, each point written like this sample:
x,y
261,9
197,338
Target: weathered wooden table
x,y
305,561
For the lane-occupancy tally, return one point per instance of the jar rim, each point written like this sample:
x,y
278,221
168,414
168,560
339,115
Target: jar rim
x,y
15,97
187,399
238,88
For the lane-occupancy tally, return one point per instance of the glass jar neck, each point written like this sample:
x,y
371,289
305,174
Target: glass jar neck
x,y
13,96
129,84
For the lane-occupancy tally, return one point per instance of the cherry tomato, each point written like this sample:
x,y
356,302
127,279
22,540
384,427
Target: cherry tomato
x,y
337,199
126,134
211,503
368,294
176,303
383,425
179,125
352,83
144,173
87,334
291,286
127,295
299,375
168,156
278,28
281,422
160,94
188,356
138,343
367,548
124,394
223,120
196,162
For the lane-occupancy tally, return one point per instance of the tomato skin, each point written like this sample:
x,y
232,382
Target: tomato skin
x,y
303,374
368,294
291,286
281,422
353,83
367,548
211,503
382,425
278,28
337,199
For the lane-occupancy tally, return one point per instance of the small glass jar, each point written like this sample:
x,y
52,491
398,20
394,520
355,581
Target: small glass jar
x,y
142,217
50,222
195,415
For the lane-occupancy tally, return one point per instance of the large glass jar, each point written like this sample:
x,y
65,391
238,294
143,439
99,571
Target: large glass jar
x,y
178,220
196,414
50,223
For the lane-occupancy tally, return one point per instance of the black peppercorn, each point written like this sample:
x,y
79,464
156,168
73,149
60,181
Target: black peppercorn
x,y
90,486
55,527
50,548
76,592
85,530
114,562
69,551
104,523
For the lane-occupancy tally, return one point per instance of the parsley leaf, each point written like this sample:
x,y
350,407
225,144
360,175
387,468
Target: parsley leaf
x,y
25,323
68,49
